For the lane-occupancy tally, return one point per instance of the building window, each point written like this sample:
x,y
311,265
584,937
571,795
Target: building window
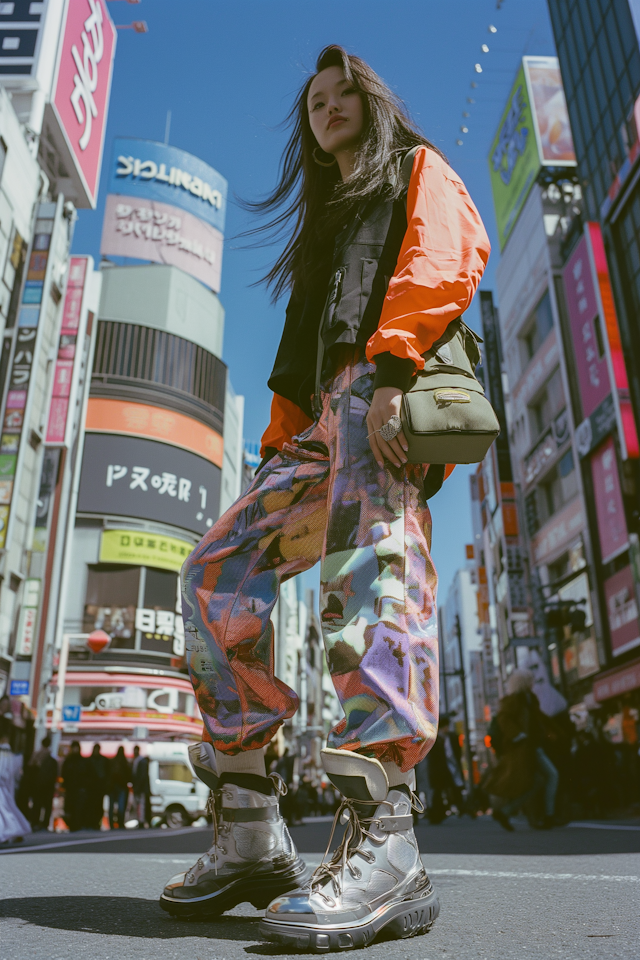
x,y
558,487
536,330
111,601
546,406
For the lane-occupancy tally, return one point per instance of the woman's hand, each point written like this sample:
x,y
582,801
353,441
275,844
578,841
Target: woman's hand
x,y
386,403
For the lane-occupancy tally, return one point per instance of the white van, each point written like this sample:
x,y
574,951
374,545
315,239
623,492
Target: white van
x,y
176,793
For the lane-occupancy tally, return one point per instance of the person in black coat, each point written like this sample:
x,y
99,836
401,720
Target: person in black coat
x,y
119,778
43,774
141,787
97,788
75,778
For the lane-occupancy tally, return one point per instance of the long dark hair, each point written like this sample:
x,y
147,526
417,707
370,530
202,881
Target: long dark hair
x,y
315,199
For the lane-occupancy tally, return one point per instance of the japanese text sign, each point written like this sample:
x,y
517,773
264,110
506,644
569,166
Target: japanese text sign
x,y
612,526
586,330
622,611
82,86
131,477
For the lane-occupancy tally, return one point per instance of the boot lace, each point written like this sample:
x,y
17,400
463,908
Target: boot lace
x,y
358,830
220,828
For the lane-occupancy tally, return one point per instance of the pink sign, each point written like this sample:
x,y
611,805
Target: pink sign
x,y
83,83
68,355
622,611
588,346
162,233
612,524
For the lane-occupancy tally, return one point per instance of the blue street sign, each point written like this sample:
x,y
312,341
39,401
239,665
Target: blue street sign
x,y
19,688
71,714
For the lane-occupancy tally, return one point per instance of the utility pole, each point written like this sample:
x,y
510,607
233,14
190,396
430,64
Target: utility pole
x,y
463,680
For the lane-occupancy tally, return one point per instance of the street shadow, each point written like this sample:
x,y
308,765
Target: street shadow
x,y
122,916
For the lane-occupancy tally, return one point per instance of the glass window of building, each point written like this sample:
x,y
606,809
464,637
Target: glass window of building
x,y
536,329
111,601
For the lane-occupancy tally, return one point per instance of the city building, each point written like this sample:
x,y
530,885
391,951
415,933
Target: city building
x,y
599,55
162,452
537,550
51,140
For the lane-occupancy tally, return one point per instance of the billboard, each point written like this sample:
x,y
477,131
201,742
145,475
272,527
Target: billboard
x,y
76,115
162,233
612,524
153,171
130,477
165,206
622,611
586,330
533,132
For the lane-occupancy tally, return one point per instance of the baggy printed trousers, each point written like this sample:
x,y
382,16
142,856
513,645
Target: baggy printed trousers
x,y
325,498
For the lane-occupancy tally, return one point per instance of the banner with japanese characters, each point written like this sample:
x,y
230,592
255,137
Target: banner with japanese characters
x,y
162,233
15,408
131,477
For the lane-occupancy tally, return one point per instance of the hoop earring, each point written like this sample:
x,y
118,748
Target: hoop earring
x,y
322,163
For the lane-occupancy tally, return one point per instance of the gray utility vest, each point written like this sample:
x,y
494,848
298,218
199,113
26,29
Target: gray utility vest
x,y
365,257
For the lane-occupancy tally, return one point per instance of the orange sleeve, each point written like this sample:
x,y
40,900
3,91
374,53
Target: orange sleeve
x,y
441,261
287,420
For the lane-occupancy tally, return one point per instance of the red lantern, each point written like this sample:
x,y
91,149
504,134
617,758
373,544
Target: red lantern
x,y
98,641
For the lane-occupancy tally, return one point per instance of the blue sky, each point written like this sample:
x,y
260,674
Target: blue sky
x,y
228,71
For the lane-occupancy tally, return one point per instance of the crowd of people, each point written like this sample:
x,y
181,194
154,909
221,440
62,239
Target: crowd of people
x,y
542,767
27,791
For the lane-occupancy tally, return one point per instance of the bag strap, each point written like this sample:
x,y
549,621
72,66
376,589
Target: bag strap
x,y
406,169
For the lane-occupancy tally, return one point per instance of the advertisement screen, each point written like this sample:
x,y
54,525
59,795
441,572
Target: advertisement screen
x,y
550,114
162,233
131,477
152,171
513,161
533,132
80,96
20,37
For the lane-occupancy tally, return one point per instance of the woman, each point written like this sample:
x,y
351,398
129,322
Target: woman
x,y
13,825
376,275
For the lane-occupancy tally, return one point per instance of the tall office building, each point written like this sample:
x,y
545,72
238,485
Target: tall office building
x,y
599,55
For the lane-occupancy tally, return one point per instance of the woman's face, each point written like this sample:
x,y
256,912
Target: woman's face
x,y
335,111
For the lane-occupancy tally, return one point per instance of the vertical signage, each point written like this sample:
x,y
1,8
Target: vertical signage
x,y
13,421
80,96
612,525
69,354
615,356
622,611
586,330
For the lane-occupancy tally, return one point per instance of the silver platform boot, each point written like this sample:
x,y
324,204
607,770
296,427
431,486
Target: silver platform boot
x,y
374,881
252,853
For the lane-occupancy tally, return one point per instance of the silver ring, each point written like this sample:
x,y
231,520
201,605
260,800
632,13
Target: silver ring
x,y
391,429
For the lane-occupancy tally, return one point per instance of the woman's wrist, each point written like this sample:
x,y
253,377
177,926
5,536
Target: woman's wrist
x,y
392,371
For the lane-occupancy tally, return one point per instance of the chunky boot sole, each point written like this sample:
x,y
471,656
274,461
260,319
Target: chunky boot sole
x,y
258,890
397,920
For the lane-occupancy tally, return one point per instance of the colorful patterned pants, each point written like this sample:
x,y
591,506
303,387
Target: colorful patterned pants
x,y
322,498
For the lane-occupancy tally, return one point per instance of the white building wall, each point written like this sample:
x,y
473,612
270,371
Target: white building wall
x,y
461,602
232,466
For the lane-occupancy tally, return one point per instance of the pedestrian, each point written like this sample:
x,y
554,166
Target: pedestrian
x,y
141,787
118,786
75,780
43,776
97,788
14,826
523,767
376,274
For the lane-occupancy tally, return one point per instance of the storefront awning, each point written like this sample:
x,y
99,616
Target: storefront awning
x,y
616,682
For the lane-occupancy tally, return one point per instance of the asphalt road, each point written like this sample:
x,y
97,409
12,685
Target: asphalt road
x,y
571,894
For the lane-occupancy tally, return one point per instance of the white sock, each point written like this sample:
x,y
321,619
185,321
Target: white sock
x,y
249,761
395,775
